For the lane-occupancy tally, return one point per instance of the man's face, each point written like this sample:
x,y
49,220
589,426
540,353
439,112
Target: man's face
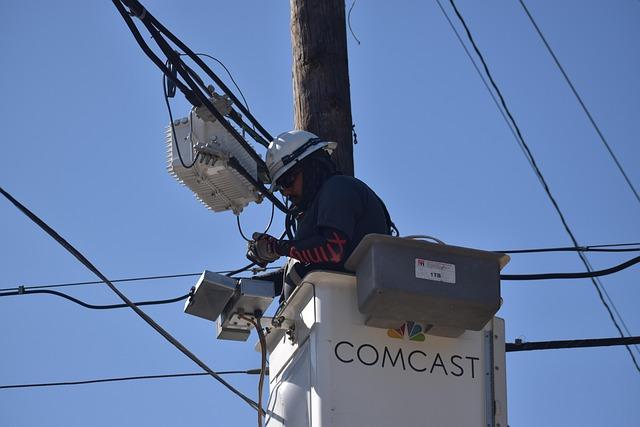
x,y
292,185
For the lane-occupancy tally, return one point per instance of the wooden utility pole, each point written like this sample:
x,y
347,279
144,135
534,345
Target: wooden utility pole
x,y
321,97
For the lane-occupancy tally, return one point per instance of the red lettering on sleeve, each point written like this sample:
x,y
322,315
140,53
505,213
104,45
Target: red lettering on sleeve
x,y
323,254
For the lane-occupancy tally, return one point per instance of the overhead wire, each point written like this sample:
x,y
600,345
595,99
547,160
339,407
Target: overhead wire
x,y
233,115
604,248
130,378
619,247
484,80
602,139
517,346
202,97
142,13
554,345
93,306
532,162
129,279
190,88
158,31
584,275
581,102
508,277
80,257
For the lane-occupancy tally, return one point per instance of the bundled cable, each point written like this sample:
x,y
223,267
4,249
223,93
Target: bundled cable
x,y
584,275
185,79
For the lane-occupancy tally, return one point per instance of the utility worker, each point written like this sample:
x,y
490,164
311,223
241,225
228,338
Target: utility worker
x,y
331,212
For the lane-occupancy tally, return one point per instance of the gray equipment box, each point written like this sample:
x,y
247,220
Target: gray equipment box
x,y
250,297
210,295
449,289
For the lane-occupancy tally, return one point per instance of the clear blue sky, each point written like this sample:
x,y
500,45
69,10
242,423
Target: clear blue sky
x,y
83,146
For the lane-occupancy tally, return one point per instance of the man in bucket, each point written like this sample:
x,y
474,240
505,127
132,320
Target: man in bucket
x,y
331,212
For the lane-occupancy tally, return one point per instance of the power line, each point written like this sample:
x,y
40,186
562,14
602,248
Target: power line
x,y
582,104
96,282
607,248
544,276
553,345
617,247
542,180
134,378
484,80
93,306
585,275
193,87
509,347
73,251
130,279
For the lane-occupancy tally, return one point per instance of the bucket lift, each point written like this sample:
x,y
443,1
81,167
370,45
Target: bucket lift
x,y
409,340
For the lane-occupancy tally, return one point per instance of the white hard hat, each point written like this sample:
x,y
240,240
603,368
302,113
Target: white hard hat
x,y
289,148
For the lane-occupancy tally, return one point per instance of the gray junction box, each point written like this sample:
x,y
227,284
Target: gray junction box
x,y
448,288
210,295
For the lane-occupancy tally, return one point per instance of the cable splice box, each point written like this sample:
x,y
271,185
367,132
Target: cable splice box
x,y
210,295
226,301
251,297
451,289
215,183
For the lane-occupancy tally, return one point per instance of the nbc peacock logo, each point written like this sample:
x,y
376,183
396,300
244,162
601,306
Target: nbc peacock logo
x,y
411,330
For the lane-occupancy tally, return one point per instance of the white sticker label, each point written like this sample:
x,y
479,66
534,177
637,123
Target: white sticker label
x,y
436,271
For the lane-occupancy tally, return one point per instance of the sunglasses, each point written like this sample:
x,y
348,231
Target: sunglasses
x,y
287,180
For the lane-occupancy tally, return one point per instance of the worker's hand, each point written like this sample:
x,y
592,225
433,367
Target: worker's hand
x,y
262,249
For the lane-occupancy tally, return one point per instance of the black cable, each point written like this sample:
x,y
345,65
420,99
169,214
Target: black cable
x,y
240,270
273,210
203,98
156,29
484,81
542,180
349,21
584,275
73,251
131,279
246,104
96,282
552,345
150,54
134,378
265,230
237,119
173,127
233,162
570,249
263,364
193,94
582,104
92,306
135,6
240,229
